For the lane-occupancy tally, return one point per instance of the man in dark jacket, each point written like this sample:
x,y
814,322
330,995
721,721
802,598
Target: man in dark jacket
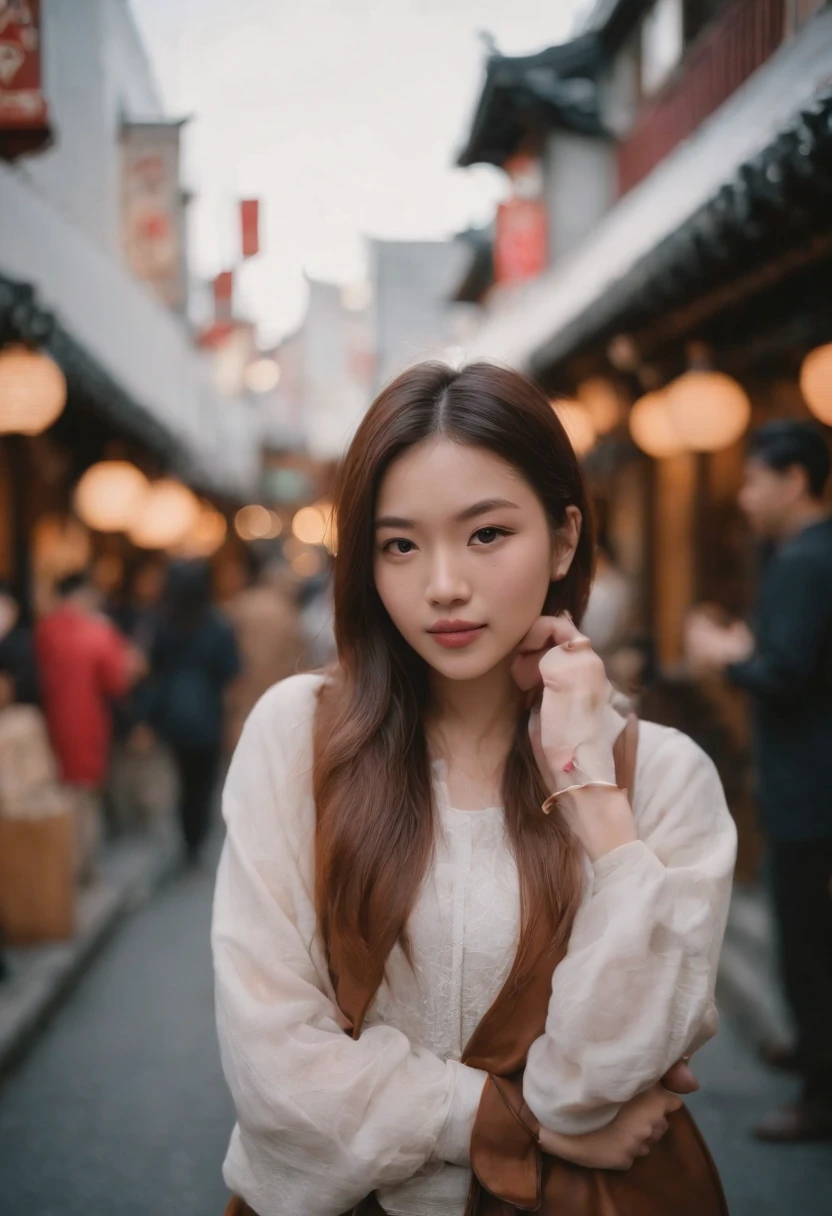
x,y
786,666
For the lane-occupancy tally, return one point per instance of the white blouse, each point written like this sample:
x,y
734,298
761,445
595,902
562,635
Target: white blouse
x,y
324,1119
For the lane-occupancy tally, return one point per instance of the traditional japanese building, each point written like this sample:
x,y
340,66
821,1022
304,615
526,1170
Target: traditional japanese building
x,y
679,157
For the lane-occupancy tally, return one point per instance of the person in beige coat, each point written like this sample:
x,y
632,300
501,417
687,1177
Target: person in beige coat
x,y
266,620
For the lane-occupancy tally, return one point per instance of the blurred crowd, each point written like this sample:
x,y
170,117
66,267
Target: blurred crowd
x,y
143,692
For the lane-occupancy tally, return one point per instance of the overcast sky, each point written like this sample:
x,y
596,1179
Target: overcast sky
x,y
343,116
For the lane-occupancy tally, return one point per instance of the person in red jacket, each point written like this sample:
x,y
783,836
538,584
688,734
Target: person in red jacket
x,y
84,665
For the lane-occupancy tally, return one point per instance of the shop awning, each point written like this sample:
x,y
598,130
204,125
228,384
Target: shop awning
x,y
132,356
692,197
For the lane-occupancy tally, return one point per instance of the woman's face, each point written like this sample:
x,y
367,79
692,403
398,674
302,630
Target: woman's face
x,y
464,555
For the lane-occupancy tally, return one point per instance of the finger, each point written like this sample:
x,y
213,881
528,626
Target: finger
x,y
546,631
680,1079
659,1129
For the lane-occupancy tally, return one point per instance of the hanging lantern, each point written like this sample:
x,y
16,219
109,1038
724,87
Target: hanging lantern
x,y
652,427
108,496
32,391
577,423
710,410
257,523
206,536
816,382
165,515
602,400
310,525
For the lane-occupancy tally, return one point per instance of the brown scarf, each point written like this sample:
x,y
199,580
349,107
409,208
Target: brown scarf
x,y
509,1172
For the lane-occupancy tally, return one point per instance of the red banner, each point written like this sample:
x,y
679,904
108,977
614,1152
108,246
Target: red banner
x,y
23,113
250,226
223,296
520,245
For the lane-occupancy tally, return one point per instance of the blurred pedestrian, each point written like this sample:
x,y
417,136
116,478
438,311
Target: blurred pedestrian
x,y
786,666
266,621
18,672
84,665
136,611
193,659
140,788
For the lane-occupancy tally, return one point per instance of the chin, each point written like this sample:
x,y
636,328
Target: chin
x,y
457,665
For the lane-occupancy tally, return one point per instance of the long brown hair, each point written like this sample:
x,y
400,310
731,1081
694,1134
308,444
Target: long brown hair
x,y
373,793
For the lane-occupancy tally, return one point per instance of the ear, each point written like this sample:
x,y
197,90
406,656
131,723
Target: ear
x,y
565,543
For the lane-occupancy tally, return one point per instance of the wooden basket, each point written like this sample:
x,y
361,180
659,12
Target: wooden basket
x,y
37,878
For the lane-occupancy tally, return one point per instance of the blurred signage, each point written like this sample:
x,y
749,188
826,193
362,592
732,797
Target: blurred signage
x,y
24,123
520,242
250,227
224,297
153,208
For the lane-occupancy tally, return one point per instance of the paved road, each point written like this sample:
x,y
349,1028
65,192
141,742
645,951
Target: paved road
x,y
121,1110
121,1107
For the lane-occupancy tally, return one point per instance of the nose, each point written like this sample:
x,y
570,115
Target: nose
x,y
447,583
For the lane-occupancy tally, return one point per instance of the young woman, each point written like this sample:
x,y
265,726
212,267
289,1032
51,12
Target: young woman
x,y
404,830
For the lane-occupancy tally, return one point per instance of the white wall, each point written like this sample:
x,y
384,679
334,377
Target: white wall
x,y
412,285
95,72
579,187
334,396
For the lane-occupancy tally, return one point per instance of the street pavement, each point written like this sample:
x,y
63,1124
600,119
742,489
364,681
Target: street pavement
x,y
121,1110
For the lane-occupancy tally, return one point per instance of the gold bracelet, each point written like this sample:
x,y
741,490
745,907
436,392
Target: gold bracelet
x,y
551,801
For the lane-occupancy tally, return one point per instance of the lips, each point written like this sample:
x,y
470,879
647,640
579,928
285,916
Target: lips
x,y
455,634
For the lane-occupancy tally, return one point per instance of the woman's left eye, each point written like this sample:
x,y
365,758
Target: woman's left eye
x,y
487,536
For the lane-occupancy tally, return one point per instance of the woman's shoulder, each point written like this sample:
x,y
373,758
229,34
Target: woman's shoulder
x,y
677,784
270,778
661,750
285,713
668,759
661,747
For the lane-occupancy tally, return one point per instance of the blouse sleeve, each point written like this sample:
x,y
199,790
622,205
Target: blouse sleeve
x,y
322,1119
635,991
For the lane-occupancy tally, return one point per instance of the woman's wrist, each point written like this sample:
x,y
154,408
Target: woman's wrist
x,y
601,818
581,764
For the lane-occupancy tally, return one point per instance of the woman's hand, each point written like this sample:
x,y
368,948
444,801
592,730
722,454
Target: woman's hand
x,y
567,733
639,1124
558,662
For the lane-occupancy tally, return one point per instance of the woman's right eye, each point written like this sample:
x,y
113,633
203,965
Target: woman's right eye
x,y
399,545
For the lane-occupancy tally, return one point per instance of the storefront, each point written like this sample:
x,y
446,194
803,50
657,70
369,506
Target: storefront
x,y
717,261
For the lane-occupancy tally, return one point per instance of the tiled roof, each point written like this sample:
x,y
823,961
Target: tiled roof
x,y
554,87
720,192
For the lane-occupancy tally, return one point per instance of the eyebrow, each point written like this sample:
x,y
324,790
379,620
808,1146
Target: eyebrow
x,y
477,508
